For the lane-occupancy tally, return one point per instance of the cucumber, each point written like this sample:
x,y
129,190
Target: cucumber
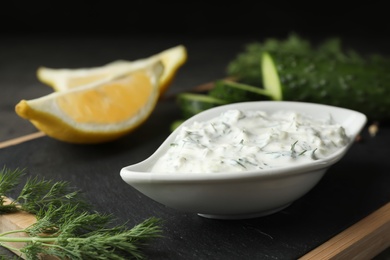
x,y
175,124
327,75
359,87
246,67
232,92
191,104
271,79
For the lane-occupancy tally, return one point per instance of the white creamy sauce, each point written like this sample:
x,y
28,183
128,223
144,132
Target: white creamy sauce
x,y
251,140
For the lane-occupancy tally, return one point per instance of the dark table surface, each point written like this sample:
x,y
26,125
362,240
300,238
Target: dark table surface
x,y
352,189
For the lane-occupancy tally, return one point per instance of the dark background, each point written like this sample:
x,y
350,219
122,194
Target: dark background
x,y
76,34
262,18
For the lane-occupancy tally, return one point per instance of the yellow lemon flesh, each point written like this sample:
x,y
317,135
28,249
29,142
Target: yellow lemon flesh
x,y
97,112
64,79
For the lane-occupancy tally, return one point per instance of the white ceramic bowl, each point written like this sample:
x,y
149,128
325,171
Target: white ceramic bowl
x,y
243,194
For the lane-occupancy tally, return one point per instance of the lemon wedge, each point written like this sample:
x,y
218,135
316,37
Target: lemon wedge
x,y
97,112
65,78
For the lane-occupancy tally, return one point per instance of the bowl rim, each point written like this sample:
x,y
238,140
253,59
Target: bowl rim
x,y
131,175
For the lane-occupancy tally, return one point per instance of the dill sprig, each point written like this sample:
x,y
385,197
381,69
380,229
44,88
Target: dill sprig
x,y
294,152
9,179
66,225
38,193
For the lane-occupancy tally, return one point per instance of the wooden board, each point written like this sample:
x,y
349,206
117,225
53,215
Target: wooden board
x,y
16,221
363,240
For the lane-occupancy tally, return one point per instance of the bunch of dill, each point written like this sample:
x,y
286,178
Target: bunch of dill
x,y
66,226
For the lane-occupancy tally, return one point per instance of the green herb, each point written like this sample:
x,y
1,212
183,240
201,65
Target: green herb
x,y
293,146
239,163
66,225
294,153
302,153
313,156
294,69
292,149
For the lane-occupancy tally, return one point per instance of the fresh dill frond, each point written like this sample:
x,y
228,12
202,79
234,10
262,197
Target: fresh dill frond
x,y
67,219
9,179
66,226
118,242
38,193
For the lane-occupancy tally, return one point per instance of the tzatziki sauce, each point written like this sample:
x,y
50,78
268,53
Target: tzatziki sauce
x,y
238,141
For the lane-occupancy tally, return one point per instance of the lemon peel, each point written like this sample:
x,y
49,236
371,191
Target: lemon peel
x,y
98,112
64,78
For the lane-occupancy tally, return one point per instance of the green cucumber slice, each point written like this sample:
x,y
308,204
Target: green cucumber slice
x,y
233,92
193,103
271,81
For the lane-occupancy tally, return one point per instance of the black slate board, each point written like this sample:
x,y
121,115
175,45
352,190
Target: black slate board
x,y
352,189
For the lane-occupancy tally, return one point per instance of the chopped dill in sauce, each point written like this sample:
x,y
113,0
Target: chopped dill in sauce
x,y
251,140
